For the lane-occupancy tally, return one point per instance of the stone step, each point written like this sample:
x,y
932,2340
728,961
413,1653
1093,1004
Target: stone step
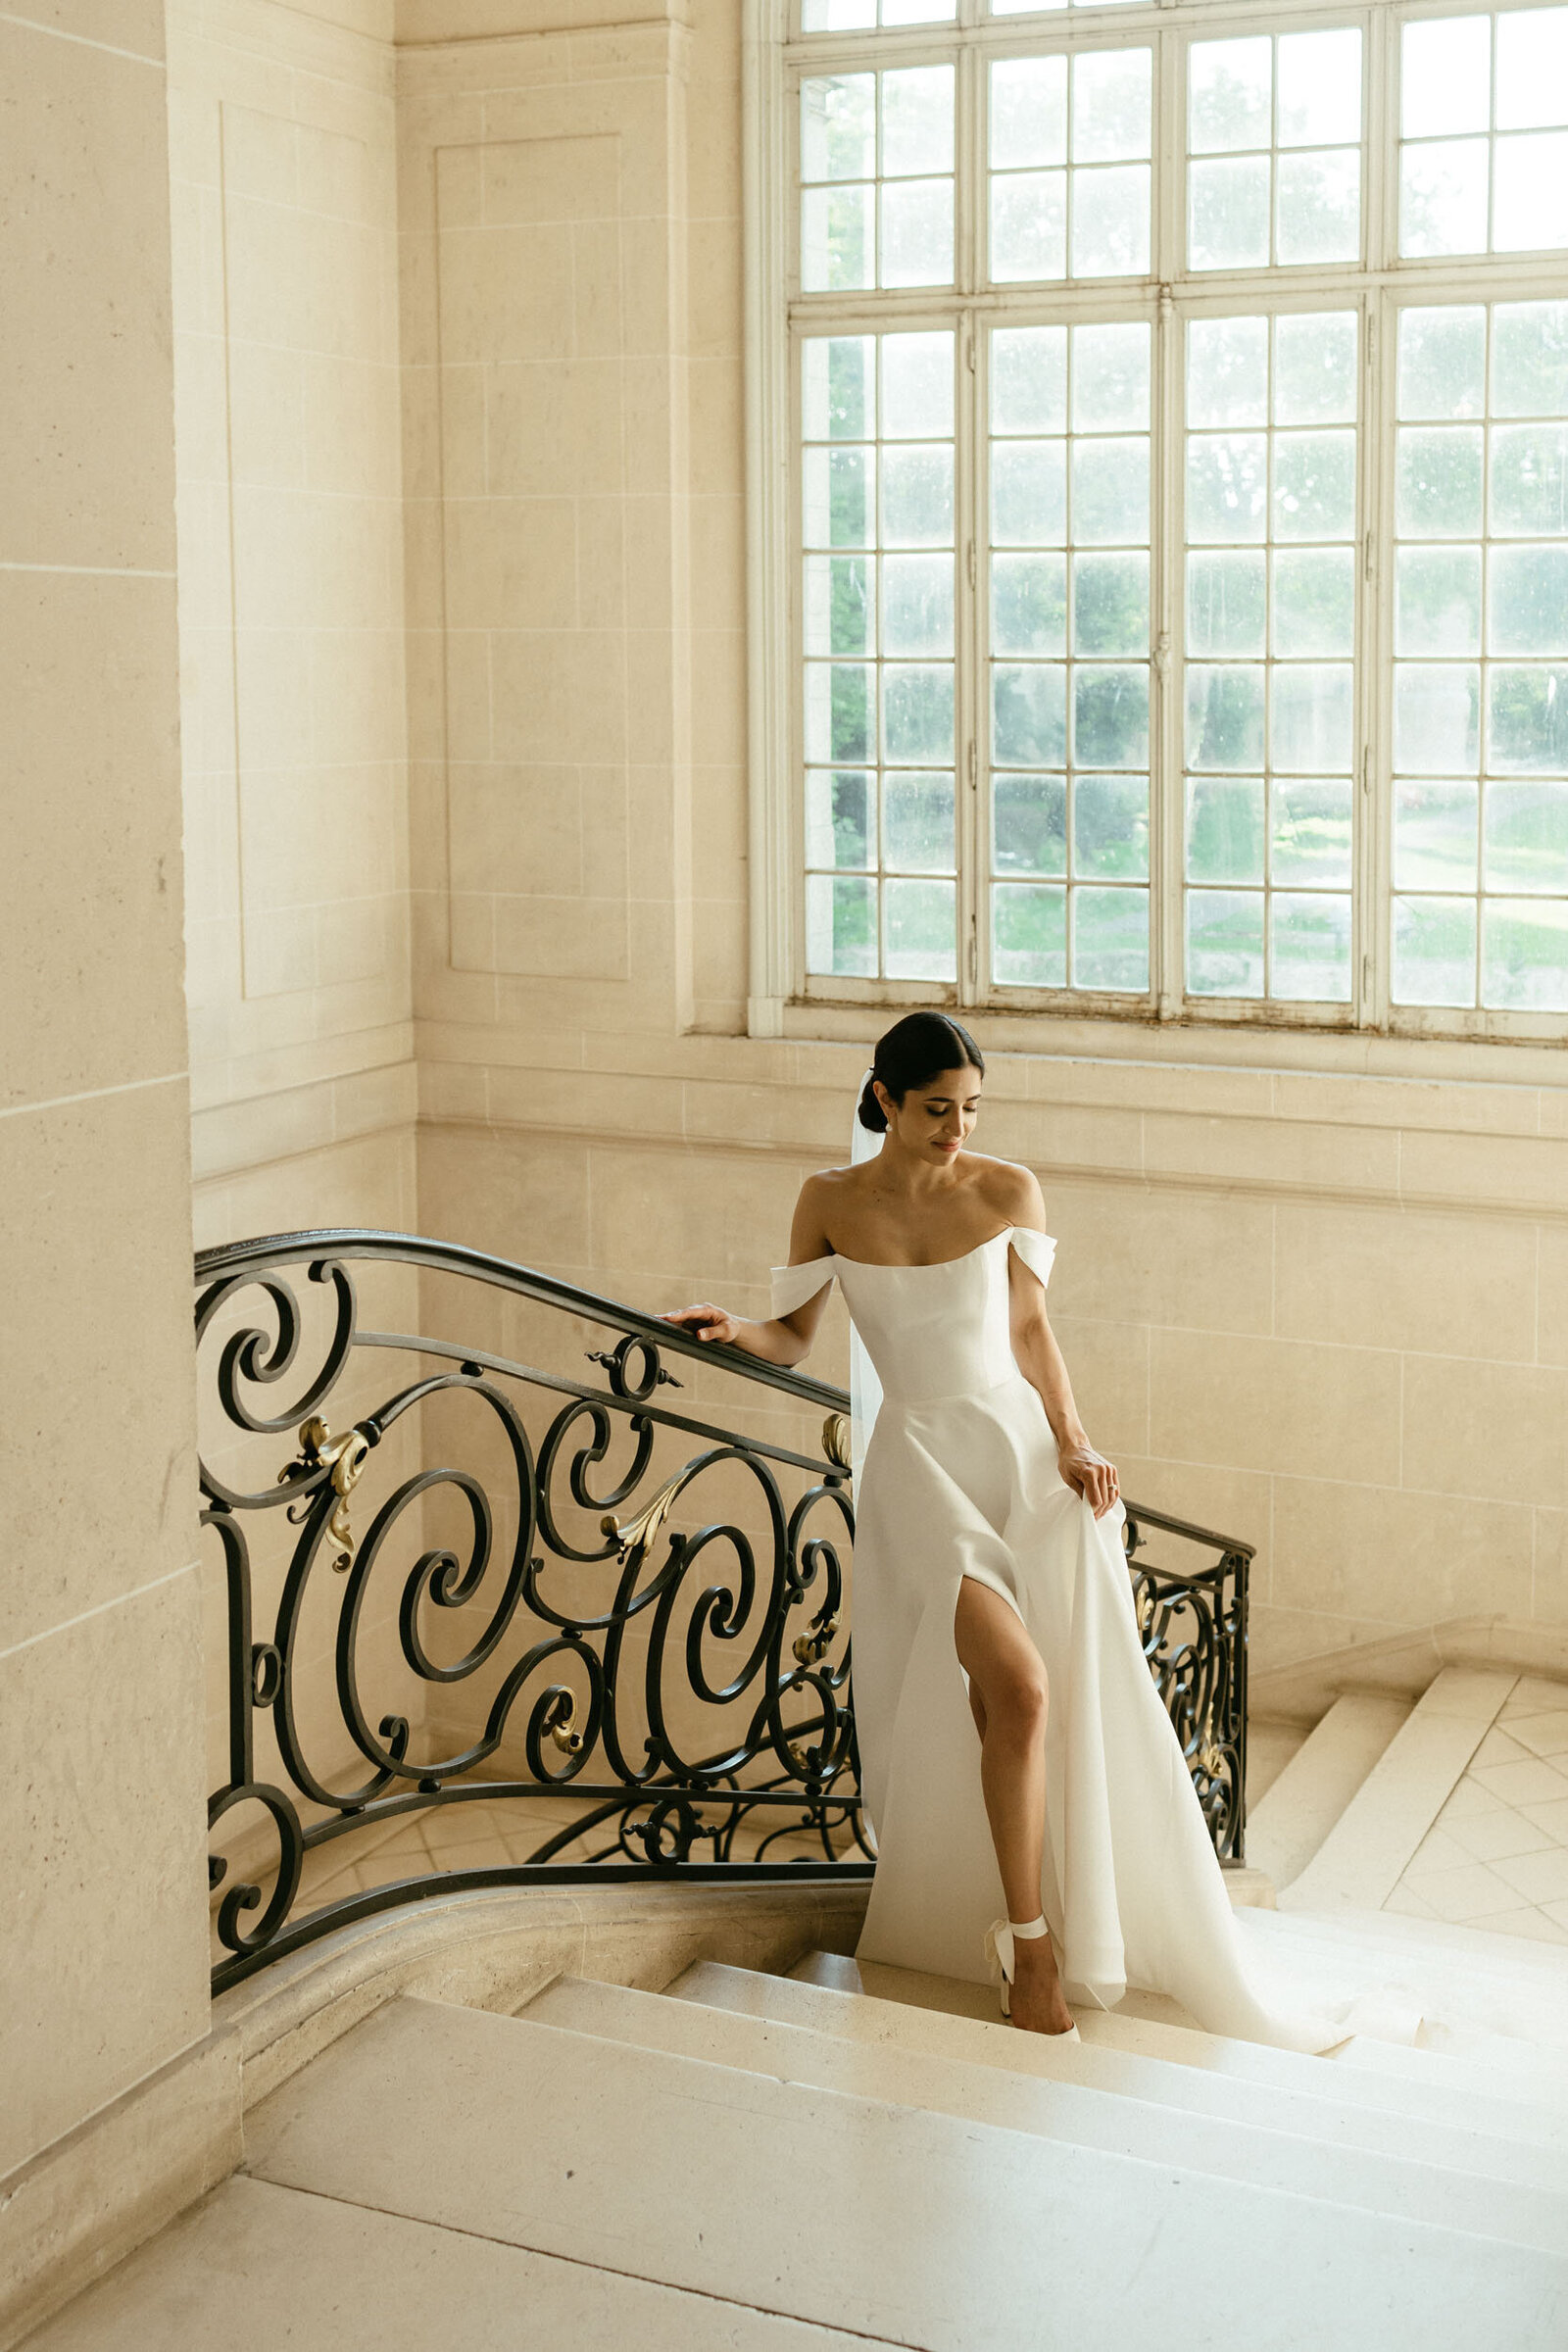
x,y
1363,1856
1410,2178
1291,1820
879,2218
254,2267
1365,2073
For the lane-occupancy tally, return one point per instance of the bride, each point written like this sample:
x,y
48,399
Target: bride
x,y
994,1618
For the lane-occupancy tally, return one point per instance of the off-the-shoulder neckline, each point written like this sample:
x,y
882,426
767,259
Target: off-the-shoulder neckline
x,y
883,1265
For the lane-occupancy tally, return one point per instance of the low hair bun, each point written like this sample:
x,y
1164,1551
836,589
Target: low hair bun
x,y
870,1112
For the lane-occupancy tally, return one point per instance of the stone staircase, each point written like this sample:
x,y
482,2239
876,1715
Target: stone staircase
x,y
725,2159
835,2156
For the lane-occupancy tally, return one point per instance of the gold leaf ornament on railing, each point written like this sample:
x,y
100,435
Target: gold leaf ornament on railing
x,y
345,1457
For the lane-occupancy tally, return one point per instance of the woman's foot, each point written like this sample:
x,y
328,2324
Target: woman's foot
x,y
1037,2004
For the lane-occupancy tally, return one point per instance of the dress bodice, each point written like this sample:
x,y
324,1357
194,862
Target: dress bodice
x,y
931,1332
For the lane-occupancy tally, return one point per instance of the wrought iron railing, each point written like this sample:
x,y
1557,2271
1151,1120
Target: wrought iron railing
x,y
594,1550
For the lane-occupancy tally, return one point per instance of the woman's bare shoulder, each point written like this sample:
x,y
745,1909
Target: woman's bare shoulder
x,y
1008,1189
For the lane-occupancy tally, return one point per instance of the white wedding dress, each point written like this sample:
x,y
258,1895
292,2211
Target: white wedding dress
x,y
960,1479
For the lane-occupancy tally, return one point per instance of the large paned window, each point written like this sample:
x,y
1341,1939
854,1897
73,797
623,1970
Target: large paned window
x,y
1173,407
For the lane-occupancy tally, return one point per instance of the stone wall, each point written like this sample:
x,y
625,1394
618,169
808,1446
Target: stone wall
x,y
102,1962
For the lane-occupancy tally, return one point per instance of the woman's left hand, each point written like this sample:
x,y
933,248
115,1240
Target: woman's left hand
x,y
1090,1475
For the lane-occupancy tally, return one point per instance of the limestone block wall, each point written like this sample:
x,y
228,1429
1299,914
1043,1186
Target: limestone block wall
x,y
289,486
102,1966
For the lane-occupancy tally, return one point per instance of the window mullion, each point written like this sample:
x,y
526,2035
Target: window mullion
x,y
1375,657
974,958
1166,790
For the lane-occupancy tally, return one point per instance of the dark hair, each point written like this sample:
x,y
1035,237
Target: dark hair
x,y
914,1051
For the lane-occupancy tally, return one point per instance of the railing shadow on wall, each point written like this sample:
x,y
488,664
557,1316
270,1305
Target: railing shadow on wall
x,y
453,1574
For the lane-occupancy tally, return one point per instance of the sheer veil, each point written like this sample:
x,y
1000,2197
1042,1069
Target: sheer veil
x,y
866,1390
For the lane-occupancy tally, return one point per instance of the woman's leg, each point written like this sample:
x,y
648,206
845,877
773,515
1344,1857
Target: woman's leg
x,y
1009,1696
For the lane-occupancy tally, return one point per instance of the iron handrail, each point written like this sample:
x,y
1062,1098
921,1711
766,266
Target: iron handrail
x,y
582,1688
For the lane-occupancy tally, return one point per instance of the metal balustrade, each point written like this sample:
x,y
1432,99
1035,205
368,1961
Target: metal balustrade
x,y
550,1587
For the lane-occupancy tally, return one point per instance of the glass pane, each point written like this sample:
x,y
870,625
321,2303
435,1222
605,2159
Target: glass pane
x,y
1523,955
1110,717
1110,828
1227,204
1110,939
1315,369
840,610
840,497
1434,951
1111,105
1530,478
1528,607
1028,112
1029,715
1029,379
1524,837
1029,825
917,823
1442,197
917,496
1029,935
841,925
1314,485
917,712
916,120
1437,482
1227,371
1318,205
840,711
837,16
1435,836
839,378
836,238
1443,363
1229,94
918,232
1436,600
1532,68
1309,838
1445,76
916,386
1029,604
1225,828
838,126
1110,379
1530,359
1029,494
916,605
1111,493
1530,192
1109,605
1527,721
1314,600
918,11
1227,486
1029,225
1437,719
922,932
1311,947
840,817
1110,222
1320,89
1226,604
1309,718
1224,716
1225,943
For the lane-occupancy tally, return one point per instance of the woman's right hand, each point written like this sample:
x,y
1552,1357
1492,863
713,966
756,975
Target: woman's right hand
x,y
707,1322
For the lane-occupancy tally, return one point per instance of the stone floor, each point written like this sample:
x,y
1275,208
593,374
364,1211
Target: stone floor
x,y
1496,1856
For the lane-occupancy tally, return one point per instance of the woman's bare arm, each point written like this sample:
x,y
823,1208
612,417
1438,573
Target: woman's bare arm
x,y
781,1338
1039,1359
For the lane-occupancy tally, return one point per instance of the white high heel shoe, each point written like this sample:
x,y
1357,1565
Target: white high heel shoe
x,y
999,1938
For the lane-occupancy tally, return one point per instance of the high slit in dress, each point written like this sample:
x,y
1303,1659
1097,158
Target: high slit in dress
x,y
960,1479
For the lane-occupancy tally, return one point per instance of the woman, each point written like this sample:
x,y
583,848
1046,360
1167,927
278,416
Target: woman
x,y
991,1589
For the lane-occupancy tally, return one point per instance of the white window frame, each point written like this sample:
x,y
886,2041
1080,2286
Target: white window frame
x,y
784,999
